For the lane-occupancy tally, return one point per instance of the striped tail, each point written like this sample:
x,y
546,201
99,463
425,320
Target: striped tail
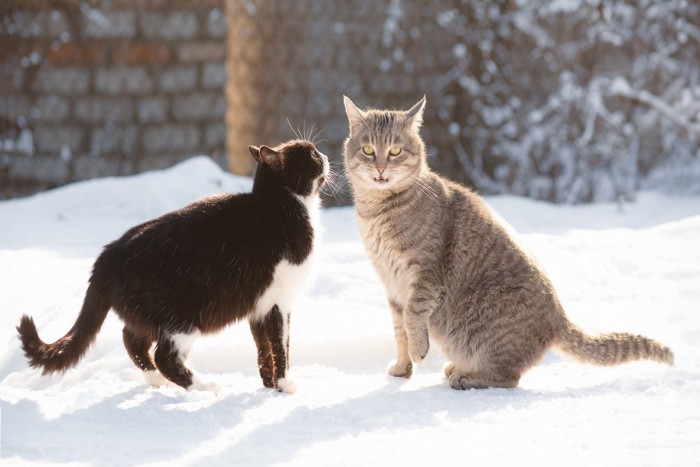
x,y
68,350
611,349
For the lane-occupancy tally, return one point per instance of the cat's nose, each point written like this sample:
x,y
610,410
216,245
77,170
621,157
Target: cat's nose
x,y
381,170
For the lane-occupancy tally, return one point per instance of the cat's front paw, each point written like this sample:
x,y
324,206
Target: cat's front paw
x,y
286,386
401,370
418,350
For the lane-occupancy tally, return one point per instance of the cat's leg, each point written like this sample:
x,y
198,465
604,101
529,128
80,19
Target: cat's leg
x,y
277,327
170,355
507,337
403,367
138,349
424,300
494,363
289,320
264,345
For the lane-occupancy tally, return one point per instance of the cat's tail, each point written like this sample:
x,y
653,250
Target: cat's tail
x,y
610,349
68,350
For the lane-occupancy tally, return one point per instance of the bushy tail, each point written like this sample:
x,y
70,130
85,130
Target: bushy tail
x,y
68,350
611,349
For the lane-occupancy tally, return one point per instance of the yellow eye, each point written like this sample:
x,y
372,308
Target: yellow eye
x,y
395,151
367,149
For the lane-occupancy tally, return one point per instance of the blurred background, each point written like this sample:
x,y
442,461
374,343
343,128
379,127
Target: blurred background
x,y
569,101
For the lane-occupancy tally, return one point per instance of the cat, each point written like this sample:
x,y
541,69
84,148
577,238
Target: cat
x,y
452,271
198,269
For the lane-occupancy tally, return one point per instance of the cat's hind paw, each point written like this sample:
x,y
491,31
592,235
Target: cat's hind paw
x,y
461,381
155,378
198,385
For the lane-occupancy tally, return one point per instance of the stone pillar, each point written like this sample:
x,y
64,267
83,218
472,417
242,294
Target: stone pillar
x,y
243,63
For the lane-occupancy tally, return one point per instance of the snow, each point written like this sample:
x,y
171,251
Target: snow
x,y
632,267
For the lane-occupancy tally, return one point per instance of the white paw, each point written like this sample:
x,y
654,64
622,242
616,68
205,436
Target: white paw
x,y
286,386
155,378
210,386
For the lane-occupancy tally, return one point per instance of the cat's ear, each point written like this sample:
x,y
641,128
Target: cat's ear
x,y
414,115
267,155
355,115
255,152
272,158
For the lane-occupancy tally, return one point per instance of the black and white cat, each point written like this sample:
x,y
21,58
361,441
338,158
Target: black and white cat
x,y
196,270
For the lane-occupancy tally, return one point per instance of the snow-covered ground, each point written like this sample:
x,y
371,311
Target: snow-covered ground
x,y
633,268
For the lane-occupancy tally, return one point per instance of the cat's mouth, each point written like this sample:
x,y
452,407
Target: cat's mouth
x,y
381,179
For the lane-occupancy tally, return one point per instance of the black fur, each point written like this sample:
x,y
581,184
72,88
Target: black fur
x,y
197,269
273,349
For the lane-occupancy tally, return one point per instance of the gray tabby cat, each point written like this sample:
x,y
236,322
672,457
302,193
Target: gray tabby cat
x,y
452,272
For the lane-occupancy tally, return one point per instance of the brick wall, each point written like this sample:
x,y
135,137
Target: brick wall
x,y
100,88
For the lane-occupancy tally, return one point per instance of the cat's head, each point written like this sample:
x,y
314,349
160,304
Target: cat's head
x,y
384,149
296,165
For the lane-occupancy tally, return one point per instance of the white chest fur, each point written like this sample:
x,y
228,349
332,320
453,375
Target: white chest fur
x,y
289,279
391,264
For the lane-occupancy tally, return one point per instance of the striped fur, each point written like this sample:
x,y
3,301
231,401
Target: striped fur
x,y
453,272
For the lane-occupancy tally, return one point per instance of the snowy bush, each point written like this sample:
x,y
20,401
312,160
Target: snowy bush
x,y
569,101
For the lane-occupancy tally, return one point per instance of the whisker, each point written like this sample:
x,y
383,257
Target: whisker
x,y
427,187
295,132
330,189
311,132
332,180
335,197
421,189
318,133
304,129
423,186
334,186
429,192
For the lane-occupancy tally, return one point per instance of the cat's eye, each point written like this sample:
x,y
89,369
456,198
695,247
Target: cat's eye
x,y
395,150
367,149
